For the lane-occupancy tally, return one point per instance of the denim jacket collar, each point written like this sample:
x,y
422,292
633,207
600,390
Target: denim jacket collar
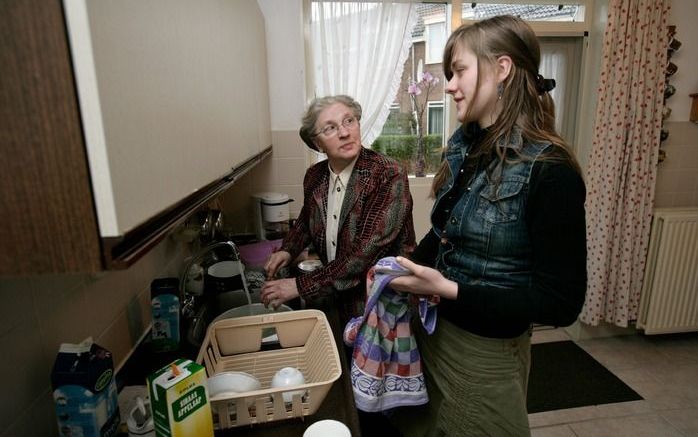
x,y
462,139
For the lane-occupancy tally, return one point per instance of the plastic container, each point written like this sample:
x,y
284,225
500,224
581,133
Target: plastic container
x,y
306,343
140,420
164,304
254,309
255,255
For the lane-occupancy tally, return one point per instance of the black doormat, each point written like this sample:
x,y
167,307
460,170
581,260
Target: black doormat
x,y
563,375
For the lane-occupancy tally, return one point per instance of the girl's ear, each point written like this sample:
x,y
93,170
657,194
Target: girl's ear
x,y
503,67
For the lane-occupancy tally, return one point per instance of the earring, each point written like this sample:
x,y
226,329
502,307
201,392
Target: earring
x,y
500,90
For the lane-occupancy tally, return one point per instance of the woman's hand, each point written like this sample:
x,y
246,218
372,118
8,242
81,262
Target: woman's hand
x,y
275,293
424,280
275,262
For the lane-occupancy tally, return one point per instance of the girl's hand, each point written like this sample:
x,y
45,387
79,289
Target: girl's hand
x,y
275,262
424,280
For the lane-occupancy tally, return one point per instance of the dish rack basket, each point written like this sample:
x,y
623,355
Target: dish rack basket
x,y
305,341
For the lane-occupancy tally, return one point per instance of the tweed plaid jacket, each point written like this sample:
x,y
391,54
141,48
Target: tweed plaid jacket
x,y
375,221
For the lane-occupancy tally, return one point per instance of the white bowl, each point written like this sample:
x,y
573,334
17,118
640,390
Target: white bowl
x,y
327,428
226,269
231,383
288,377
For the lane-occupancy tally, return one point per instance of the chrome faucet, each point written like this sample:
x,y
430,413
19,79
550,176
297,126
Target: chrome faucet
x,y
188,299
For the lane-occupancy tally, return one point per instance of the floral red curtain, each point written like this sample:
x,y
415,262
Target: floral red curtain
x,y
623,163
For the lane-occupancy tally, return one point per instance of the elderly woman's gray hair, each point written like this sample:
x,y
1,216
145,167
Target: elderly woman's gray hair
x,y
307,131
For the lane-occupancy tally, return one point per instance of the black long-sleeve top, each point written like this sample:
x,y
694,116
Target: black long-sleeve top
x,y
556,225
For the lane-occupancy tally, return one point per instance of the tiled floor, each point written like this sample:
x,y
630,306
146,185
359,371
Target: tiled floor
x,y
663,369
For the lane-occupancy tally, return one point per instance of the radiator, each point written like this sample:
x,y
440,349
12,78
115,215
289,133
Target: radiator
x,y
669,299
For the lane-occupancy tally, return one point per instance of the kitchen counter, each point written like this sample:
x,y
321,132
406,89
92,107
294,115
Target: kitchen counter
x,y
337,405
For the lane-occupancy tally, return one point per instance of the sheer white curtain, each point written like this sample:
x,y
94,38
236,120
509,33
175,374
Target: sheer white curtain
x,y
360,49
561,60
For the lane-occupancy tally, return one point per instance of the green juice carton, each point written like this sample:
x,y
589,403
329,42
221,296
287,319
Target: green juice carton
x,y
179,400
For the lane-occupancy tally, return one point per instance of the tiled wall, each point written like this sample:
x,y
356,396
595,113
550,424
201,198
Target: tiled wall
x,y
422,203
39,313
677,176
282,173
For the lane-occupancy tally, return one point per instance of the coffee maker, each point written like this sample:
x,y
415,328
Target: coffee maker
x,y
271,215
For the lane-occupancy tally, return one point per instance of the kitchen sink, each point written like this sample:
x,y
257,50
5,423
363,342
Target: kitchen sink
x,y
206,308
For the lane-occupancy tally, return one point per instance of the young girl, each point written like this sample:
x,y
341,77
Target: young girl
x,y
507,246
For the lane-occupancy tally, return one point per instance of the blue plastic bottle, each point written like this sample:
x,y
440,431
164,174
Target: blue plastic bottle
x,y
164,294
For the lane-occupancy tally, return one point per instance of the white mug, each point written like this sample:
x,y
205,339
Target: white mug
x,y
327,428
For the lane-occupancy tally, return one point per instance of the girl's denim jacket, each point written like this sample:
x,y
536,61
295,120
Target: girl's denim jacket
x,y
485,238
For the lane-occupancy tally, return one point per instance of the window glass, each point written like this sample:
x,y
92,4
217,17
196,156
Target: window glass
x,y
421,116
435,118
560,59
532,12
397,123
436,40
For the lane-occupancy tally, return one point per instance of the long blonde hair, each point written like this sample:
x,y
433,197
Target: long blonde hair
x,y
525,101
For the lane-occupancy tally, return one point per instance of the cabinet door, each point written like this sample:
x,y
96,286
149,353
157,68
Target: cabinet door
x,y
173,94
48,222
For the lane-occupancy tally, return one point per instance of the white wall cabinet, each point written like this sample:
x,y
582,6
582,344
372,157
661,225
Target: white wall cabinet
x,y
172,95
118,112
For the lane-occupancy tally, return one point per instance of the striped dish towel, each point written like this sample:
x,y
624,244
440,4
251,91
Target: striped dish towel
x,y
386,368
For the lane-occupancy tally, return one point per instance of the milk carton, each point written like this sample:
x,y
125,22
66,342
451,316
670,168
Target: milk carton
x,y
84,391
179,399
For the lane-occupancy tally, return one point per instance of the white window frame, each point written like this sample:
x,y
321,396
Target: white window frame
x,y
436,104
427,39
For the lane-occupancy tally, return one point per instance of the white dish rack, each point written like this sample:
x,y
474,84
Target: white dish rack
x,y
306,342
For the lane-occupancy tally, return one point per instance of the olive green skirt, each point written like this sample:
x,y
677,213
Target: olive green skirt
x,y
476,385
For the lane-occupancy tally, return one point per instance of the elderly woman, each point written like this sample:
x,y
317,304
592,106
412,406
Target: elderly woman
x,y
357,208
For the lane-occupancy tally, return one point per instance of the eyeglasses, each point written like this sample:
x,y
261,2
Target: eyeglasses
x,y
332,129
